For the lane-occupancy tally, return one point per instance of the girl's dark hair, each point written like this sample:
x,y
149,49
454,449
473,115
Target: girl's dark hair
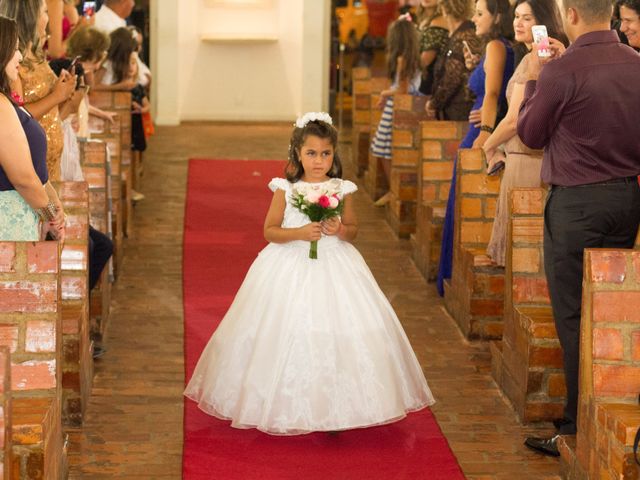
x,y
122,46
403,40
26,13
503,28
546,12
294,170
88,43
8,41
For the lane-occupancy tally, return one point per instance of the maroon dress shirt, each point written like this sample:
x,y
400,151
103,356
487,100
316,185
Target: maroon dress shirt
x,y
584,110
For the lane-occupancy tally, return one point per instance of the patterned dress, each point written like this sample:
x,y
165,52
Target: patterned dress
x,y
38,81
433,38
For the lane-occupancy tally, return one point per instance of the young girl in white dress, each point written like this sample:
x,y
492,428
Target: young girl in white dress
x,y
309,344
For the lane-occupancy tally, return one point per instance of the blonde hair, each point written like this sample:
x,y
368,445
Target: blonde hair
x,y
458,9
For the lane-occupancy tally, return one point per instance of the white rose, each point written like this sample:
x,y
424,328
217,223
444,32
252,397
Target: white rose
x,y
333,202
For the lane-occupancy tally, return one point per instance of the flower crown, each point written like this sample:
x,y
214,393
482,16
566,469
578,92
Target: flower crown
x,y
302,121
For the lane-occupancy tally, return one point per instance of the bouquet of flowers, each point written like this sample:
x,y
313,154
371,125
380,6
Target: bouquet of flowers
x,y
317,202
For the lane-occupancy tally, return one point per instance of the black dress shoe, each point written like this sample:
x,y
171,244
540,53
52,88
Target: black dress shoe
x,y
546,446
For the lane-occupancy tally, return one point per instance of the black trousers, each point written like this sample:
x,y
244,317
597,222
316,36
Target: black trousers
x,y
588,216
100,250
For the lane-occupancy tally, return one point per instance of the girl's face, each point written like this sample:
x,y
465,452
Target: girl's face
x,y
43,20
133,65
523,20
11,70
483,18
630,25
316,156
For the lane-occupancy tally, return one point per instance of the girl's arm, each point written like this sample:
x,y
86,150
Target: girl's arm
x,y
15,158
274,233
104,115
55,47
494,64
146,105
71,106
126,84
403,81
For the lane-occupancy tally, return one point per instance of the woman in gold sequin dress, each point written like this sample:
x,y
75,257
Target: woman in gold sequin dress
x,y
43,93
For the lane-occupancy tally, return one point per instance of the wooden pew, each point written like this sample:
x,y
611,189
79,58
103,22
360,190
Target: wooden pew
x,y
375,182
96,170
474,296
77,361
439,141
408,112
31,327
361,118
5,413
527,364
608,411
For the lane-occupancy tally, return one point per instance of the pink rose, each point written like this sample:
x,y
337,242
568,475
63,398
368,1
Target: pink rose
x,y
324,201
312,196
334,202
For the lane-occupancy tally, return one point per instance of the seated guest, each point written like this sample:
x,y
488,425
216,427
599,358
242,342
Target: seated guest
x,y
23,168
629,15
522,164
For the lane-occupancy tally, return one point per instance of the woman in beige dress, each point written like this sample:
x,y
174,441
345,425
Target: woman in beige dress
x,y
522,165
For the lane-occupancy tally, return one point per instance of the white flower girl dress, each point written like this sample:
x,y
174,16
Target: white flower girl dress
x,y
309,344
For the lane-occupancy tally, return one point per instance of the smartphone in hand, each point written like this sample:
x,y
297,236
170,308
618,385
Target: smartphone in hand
x,y
89,9
541,40
467,48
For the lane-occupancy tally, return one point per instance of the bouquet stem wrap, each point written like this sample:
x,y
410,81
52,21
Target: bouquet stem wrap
x,y
313,250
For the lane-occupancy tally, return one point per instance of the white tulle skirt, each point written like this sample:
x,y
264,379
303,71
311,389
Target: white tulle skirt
x,y
309,345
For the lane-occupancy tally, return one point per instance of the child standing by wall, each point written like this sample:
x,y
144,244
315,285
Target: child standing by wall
x,y
309,344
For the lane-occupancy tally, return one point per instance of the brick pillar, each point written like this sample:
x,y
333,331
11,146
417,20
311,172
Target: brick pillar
x,y
30,326
361,117
475,295
5,413
117,136
608,412
408,112
77,362
375,182
439,141
527,365
93,158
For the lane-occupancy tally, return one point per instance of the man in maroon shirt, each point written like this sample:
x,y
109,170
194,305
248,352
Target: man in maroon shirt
x,y
583,111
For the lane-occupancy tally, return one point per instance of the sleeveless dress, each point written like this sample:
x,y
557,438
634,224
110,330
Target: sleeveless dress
x,y
476,85
18,221
309,345
521,169
381,144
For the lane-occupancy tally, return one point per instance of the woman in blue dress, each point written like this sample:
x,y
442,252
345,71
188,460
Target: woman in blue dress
x,y
488,82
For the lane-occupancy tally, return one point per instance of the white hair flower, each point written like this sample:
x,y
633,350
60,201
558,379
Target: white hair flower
x,y
302,121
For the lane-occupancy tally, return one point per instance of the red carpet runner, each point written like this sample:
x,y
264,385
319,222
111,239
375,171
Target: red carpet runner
x,y
226,204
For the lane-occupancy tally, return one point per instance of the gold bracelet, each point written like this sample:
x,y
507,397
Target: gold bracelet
x,y
47,213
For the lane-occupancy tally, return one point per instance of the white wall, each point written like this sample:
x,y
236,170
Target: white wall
x,y
270,80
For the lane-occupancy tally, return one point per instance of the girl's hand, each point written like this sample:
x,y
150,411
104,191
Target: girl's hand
x,y
108,116
331,226
311,232
65,86
136,107
475,117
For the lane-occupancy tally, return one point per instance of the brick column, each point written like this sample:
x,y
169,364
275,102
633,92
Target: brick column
x,y
361,118
30,326
474,297
527,365
408,112
375,182
439,141
608,411
77,362
5,413
93,158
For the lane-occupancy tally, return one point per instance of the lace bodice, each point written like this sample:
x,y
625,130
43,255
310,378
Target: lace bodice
x,y
294,218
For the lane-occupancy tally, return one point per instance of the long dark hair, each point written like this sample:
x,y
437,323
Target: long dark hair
x,y
122,46
8,42
403,40
546,12
26,14
294,170
503,28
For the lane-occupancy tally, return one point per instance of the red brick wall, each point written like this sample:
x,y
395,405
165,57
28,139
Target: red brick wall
x,y
5,413
361,118
609,364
